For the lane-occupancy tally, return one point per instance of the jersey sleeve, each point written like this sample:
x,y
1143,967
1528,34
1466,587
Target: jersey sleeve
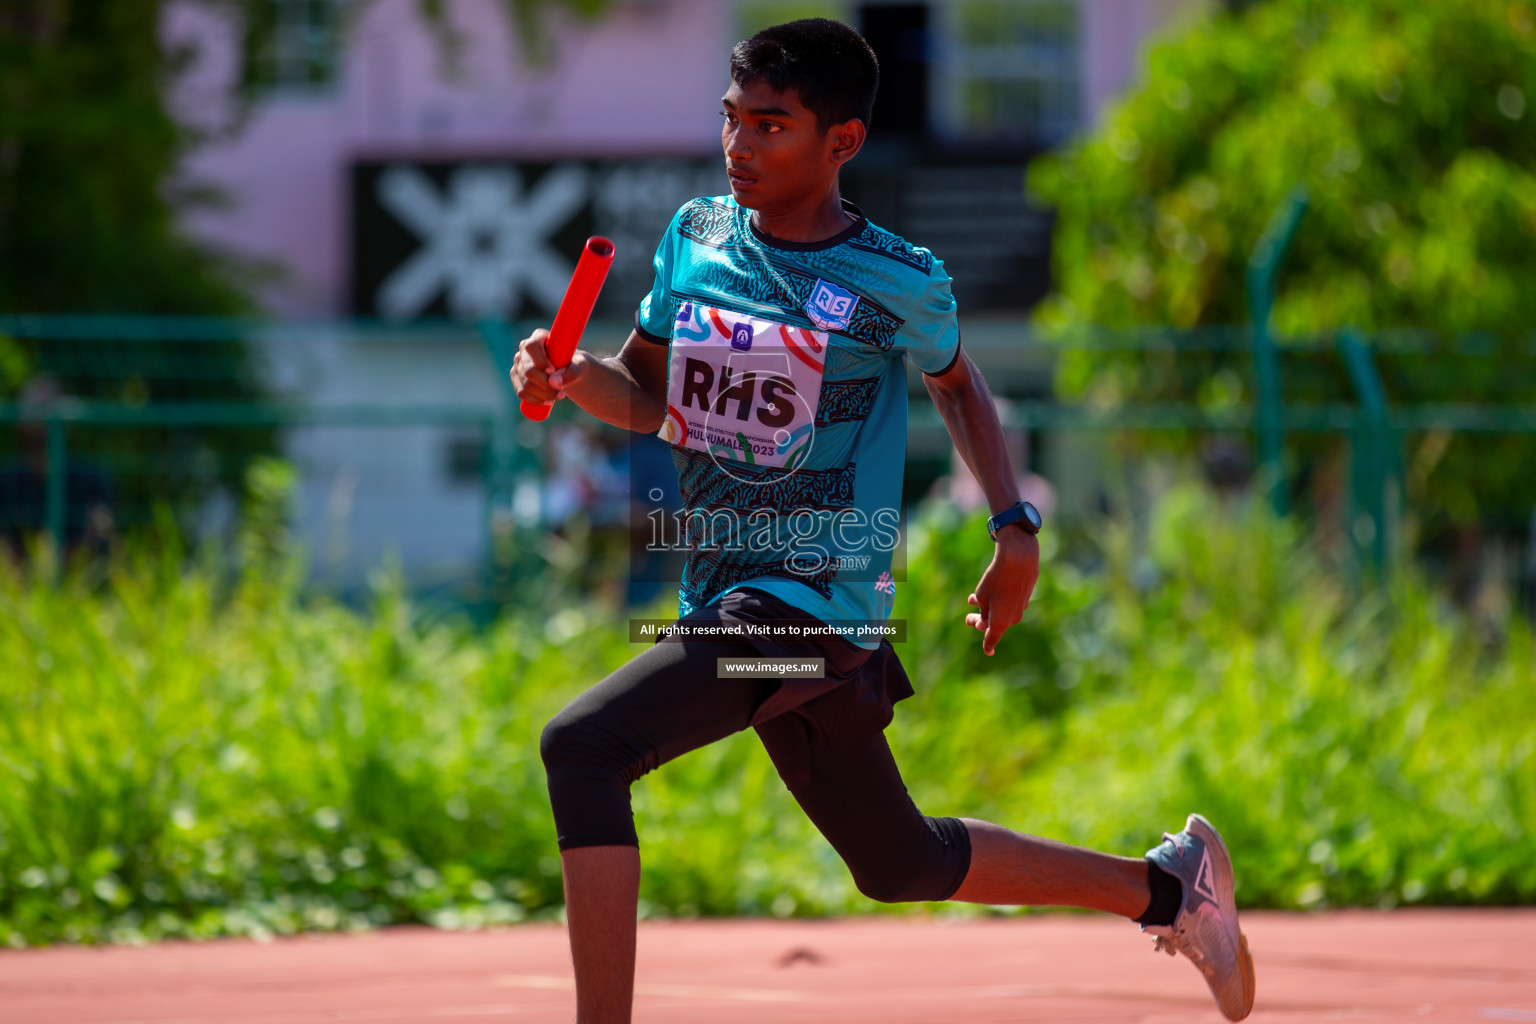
x,y
658,310
931,335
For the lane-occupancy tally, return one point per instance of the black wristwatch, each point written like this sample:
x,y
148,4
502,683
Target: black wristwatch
x,y
1023,513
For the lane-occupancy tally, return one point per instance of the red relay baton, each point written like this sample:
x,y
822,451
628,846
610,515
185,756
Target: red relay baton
x,y
575,309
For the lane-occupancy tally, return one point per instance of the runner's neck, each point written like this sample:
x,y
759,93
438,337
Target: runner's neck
x,y
827,221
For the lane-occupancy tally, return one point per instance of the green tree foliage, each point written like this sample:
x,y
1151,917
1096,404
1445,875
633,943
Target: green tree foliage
x,y
88,159
1411,125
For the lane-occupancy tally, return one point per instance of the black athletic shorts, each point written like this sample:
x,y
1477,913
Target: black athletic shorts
x,y
876,679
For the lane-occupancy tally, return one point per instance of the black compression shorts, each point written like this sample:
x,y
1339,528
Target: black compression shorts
x,y
826,738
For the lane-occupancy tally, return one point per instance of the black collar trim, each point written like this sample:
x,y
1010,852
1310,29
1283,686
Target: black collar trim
x,y
851,231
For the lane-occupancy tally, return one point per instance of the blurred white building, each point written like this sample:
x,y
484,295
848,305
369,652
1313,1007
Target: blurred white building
x,y
344,84
395,170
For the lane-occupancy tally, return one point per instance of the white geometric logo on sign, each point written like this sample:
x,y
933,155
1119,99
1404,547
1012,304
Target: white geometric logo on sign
x,y
484,243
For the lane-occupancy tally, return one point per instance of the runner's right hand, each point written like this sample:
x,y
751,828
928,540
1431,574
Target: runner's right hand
x,y
535,379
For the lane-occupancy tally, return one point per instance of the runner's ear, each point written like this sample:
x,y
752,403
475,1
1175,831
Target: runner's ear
x,y
846,139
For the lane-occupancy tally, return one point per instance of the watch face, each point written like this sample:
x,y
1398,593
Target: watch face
x,y
1032,515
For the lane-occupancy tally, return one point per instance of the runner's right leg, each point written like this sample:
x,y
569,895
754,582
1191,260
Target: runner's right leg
x,y
664,703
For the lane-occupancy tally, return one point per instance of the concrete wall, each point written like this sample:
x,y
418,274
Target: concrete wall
x,y
642,82
1114,35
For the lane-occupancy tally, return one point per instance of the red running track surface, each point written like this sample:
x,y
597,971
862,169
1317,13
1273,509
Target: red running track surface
x,y
1417,965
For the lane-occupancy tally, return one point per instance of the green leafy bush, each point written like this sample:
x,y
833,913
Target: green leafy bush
x,y
178,758
1410,126
1408,122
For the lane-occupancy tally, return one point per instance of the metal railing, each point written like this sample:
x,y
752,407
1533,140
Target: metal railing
x,y
174,374
1374,427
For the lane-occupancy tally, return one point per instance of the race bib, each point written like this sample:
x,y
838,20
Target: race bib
x,y
743,389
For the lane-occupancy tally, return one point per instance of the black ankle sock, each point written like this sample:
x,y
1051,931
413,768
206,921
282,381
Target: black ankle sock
x,y
1167,894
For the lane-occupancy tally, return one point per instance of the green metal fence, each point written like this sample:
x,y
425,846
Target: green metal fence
x,y
175,409
1375,394
148,415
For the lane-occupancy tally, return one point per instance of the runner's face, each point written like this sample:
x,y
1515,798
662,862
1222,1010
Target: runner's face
x,y
776,155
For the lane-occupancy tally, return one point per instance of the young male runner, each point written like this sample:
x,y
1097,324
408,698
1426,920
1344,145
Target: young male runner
x,y
770,352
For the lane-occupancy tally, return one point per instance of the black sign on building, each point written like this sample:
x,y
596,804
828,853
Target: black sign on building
x,y
500,237
469,239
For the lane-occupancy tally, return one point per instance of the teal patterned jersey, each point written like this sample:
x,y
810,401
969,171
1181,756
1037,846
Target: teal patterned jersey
x,y
787,403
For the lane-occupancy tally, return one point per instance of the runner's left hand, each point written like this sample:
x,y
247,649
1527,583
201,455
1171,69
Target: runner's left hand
x,y
1003,593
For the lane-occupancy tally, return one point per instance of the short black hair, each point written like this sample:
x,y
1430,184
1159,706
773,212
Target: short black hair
x,y
827,63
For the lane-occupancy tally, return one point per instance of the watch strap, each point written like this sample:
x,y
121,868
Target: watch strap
x,y
1015,513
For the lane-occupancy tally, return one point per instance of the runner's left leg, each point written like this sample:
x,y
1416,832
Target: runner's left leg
x,y
834,759
1011,868
832,754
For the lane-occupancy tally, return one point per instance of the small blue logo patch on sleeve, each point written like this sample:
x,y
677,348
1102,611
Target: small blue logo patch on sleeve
x,y
741,338
831,307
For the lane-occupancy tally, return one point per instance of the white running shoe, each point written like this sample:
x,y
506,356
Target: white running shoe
x,y
1205,928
